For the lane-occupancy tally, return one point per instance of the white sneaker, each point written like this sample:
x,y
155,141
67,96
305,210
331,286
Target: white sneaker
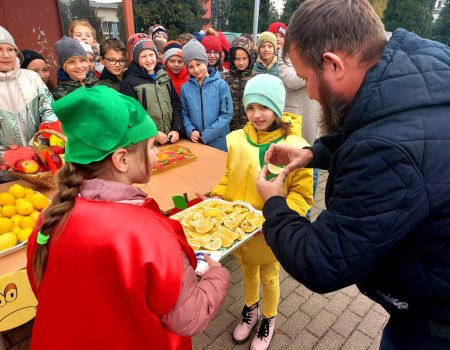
x,y
242,331
262,339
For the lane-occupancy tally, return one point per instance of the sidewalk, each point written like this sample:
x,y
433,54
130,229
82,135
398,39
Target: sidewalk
x,y
345,319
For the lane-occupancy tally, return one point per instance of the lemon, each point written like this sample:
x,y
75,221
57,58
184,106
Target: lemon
x,y
18,191
226,242
212,212
16,219
29,197
7,240
214,245
240,210
257,221
202,226
39,201
241,234
27,222
201,240
19,200
194,245
9,211
7,199
6,225
25,208
16,229
247,227
24,234
227,208
275,169
232,223
35,215
29,191
229,234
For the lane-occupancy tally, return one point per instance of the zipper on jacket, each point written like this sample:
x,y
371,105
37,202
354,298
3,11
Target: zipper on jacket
x,y
157,87
201,106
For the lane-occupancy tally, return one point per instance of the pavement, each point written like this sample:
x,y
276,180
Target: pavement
x,y
344,319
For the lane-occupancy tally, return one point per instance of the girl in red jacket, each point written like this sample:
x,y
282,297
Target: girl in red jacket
x,y
109,271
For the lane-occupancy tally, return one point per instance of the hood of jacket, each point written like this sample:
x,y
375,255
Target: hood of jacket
x,y
262,137
140,72
401,81
106,74
212,77
244,44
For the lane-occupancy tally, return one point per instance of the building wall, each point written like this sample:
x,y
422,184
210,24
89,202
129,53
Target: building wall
x,y
34,25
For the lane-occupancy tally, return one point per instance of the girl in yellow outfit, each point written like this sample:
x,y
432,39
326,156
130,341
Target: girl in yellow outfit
x,y
263,99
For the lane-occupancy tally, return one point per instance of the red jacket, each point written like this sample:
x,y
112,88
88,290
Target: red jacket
x,y
109,280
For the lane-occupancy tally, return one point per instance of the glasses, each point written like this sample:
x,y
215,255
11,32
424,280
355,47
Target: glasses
x,y
212,52
113,61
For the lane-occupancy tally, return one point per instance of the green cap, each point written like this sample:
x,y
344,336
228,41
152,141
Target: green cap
x,y
98,120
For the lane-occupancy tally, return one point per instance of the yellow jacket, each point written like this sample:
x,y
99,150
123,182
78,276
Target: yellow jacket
x,y
243,166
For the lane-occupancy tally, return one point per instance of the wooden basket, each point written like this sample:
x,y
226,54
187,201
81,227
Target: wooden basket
x,y
43,179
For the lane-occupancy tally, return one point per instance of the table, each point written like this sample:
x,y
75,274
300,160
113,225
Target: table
x,y
198,176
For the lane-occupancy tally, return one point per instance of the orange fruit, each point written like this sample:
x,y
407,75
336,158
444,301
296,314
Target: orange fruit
x,y
24,234
7,198
6,225
9,211
275,169
39,201
18,191
24,208
27,222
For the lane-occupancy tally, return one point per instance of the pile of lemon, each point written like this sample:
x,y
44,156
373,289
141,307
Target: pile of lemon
x,y
20,208
217,224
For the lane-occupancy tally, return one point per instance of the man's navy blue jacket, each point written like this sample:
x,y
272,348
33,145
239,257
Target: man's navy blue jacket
x,y
387,222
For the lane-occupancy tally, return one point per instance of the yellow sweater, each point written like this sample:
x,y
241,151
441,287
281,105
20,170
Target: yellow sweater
x,y
243,167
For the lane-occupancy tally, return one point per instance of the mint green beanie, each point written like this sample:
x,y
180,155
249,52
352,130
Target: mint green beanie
x,y
266,90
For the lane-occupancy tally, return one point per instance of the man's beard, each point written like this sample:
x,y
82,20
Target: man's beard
x,y
334,108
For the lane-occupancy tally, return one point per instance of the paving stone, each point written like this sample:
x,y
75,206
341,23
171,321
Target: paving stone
x,y
304,341
378,308
329,295
338,303
232,264
236,308
219,324
361,304
320,324
283,275
303,291
200,341
372,323
330,341
237,290
236,276
295,323
376,343
287,287
279,341
346,323
289,305
314,304
357,341
352,291
223,342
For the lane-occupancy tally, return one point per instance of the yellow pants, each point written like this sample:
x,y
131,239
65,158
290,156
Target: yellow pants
x,y
259,265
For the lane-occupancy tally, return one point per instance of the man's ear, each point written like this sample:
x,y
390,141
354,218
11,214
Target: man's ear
x,y
334,65
120,160
102,60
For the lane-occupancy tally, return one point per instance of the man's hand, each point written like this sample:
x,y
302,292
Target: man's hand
x,y
195,136
292,158
161,138
173,136
270,188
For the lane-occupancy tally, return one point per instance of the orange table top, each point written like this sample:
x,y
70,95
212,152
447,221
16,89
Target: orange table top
x,y
199,176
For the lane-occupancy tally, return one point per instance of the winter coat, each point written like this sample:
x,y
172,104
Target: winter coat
x,y
237,80
155,287
178,79
66,85
208,109
110,80
260,68
157,95
246,148
298,101
387,222
24,104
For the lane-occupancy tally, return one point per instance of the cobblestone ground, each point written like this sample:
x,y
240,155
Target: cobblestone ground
x,y
344,319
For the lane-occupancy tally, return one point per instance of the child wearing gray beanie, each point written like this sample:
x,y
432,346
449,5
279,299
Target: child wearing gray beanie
x,y
193,50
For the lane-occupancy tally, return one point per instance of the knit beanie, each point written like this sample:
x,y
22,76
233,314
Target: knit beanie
x,y
29,56
173,48
193,50
143,44
212,42
159,29
224,42
87,48
133,40
277,27
266,90
67,48
6,38
265,37
85,112
199,35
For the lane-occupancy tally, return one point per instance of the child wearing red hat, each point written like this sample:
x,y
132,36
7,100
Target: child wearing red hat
x,y
214,49
279,29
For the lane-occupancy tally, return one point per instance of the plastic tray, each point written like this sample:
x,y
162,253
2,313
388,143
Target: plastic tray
x,y
221,253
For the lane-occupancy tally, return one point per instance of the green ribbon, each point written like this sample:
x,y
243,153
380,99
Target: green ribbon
x,y
42,239
263,147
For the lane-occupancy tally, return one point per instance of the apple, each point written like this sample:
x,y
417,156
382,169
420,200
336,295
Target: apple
x,y
57,149
27,166
57,160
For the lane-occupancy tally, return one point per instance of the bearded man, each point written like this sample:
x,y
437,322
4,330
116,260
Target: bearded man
x,y
386,113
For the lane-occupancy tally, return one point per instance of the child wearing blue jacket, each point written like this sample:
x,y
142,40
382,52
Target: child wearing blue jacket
x,y
207,107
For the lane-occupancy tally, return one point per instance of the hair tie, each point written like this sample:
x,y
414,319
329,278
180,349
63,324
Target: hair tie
x,y
42,239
